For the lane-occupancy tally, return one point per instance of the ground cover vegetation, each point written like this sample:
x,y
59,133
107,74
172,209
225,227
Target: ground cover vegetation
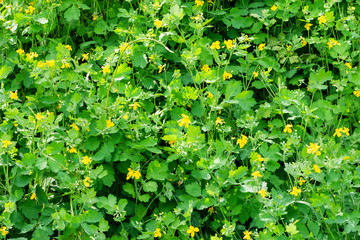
x,y
178,119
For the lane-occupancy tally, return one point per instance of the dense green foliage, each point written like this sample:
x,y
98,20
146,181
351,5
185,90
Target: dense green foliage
x,y
178,119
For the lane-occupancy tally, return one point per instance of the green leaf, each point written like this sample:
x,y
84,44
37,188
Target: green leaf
x,y
41,195
139,59
103,225
246,101
91,216
150,186
72,14
54,148
316,81
105,152
144,198
4,71
100,27
157,170
193,189
232,88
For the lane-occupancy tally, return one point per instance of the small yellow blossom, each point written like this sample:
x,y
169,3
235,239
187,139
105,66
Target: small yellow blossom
x,y
72,150
85,56
184,121
33,196
296,191
301,181
256,174
288,128
288,47
13,95
209,95
219,121
346,131
105,69
30,10
86,160
263,193
161,67
242,141
357,94
348,65
205,68
87,182
39,116
158,23
31,55
68,47
50,63
303,41
322,19
274,7
215,45
41,64
109,123
75,127
316,168
133,173
256,74
307,26
135,105
157,233
260,158
125,116
95,17
227,75
313,148
229,44
192,231
199,3
332,42
6,143
123,46
346,158
20,51
152,58
65,65
247,235
261,46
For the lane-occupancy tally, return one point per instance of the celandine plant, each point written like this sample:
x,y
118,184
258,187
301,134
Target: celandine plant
x,y
179,119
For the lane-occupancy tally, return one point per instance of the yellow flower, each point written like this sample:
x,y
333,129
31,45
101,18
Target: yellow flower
x,y
13,95
105,69
184,121
307,26
313,148
356,93
33,196
109,123
123,46
50,63
65,65
31,55
39,116
20,51
263,193
95,17
6,143
158,23
72,150
316,168
215,45
219,121
288,47
274,7
125,117
192,231
199,3
322,19
133,173
30,10
75,127
261,46
68,47
157,233
85,56
247,235
242,141
256,174
135,105
87,182
346,158
332,42
348,65
288,128
227,75
209,95
259,158
296,191
337,132
3,231
303,41
152,58
301,181
86,160
205,68
161,67
229,44
346,131
256,74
